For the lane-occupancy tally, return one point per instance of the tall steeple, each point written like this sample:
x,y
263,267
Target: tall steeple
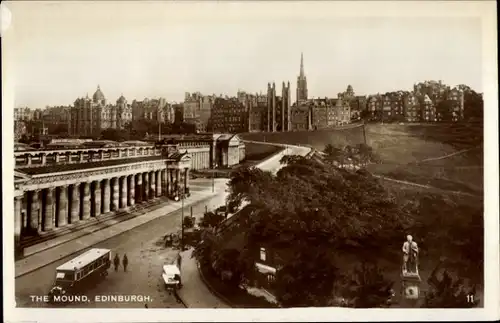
x,y
301,64
301,82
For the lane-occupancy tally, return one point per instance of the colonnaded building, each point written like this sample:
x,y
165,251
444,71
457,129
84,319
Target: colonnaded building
x,y
61,186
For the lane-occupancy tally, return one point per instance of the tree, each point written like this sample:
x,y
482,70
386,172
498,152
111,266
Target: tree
x,y
211,220
307,279
366,287
448,292
247,183
312,209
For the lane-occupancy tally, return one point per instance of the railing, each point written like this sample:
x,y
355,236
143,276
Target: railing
x,y
39,158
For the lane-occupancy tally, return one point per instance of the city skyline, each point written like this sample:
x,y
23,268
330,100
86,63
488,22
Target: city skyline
x,y
57,56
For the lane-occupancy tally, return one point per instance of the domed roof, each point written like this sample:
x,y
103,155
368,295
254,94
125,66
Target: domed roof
x,y
349,88
121,99
98,95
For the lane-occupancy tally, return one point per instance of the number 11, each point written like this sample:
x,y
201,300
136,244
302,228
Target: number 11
x,y
470,298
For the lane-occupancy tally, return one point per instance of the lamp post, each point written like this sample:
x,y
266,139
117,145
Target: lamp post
x,y
213,179
182,217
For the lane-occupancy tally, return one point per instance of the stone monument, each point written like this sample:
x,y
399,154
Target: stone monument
x,y
409,273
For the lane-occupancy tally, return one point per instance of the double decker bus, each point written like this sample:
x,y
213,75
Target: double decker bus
x,y
79,272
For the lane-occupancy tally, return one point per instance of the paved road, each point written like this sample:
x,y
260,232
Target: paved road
x,y
146,258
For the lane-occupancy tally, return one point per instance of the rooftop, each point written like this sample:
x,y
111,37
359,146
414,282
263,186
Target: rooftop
x,y
89,165
83,259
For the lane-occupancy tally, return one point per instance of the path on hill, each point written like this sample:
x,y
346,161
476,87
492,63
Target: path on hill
x,y
424,186
447,155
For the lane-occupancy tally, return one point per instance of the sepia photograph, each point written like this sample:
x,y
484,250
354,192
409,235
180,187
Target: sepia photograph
x,y
208,159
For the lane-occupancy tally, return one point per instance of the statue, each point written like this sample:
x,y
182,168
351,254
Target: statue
x,y
410,257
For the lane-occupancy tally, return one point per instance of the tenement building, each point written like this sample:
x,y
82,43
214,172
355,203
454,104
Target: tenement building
x,y
158,110
229,115
197,110
55,188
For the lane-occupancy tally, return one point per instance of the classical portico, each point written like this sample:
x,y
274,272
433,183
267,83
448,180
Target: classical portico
x,y
45,201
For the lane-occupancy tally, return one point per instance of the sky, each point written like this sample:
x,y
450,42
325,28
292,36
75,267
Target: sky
x,y
58,52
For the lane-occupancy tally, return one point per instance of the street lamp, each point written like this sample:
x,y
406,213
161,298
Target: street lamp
x,y
213,179
182,215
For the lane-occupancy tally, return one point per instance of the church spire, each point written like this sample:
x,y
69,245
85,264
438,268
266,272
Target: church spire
x,y
301,65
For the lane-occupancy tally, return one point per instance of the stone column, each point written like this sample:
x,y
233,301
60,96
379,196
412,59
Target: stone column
x,y
34,224
163,176
168,187
115,195
106,198
97,198
75,204
138,190
62,213
152,185
18,202
86,201
131,190
158,183
146,186
48,220
123,195
178,180
56,158
44,159
28,160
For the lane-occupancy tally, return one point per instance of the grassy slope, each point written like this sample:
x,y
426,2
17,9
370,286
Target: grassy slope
x,y
400,145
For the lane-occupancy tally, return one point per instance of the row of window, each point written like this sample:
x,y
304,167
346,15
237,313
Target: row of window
x,y
91,267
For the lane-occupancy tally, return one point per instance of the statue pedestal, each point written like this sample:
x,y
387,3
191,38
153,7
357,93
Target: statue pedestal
x,y
410,286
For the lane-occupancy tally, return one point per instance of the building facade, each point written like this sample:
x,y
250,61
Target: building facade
x,y
89,117
23,114
278,108
428,110
229,115
197,109
412,110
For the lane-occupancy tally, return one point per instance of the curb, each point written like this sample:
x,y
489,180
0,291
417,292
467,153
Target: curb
x,y
107,238
211,288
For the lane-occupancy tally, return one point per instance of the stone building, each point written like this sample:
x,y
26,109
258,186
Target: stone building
x,y
428,110
229,115
91,116
197,109
301,117
61,186
320,109
456,99
412,110
342,113
257,112
278,108
23,114
158,110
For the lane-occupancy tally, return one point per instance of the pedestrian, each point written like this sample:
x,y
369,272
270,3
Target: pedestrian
x,y
146,305
116,262
125,262
179,260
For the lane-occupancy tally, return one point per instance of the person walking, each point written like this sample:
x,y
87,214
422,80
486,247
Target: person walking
x,y
125,262
179,260
116,262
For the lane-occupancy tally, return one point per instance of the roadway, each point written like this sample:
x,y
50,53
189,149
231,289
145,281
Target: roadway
x,y
145,252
